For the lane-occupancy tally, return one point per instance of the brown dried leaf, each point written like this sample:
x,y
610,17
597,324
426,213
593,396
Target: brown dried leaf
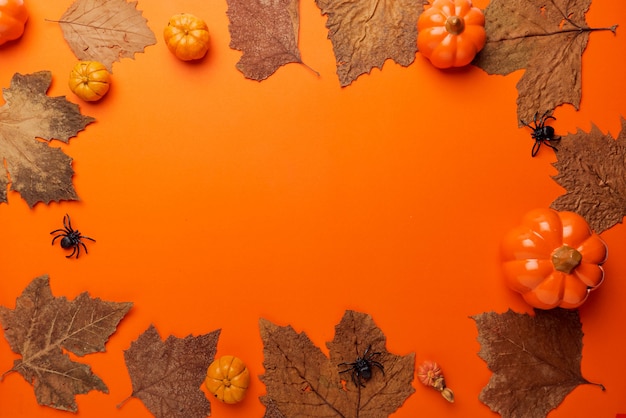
x,y
535,360
591,169
366,33
37,171
42,326
167,375
267,34
302,381
547,38
105,30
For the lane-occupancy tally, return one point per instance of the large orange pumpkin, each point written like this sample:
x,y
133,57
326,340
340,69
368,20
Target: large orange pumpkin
x,y
13,17
553,259
187,36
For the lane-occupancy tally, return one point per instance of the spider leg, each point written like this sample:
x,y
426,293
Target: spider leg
x,y
380,366
357,379
89,238
73,252
548,144
67,222
55,238
536,147
84,247
58,230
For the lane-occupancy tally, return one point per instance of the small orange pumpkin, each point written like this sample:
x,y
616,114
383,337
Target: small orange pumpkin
x,y
227,378
451,32
187,36
13,17
90,80
553,259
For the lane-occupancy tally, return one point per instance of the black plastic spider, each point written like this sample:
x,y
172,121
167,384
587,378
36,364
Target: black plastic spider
x,y
70,238
362,368
542,134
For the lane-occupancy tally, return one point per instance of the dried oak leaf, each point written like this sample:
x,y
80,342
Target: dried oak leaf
x,y
40,173
591,169
535,360
366,33
167,375
545,37
105,30
267,34
41,327
301,381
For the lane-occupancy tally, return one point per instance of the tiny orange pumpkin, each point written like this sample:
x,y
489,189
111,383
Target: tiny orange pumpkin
x,y
187,36
227,378
90,80
553,259
13,17
451,32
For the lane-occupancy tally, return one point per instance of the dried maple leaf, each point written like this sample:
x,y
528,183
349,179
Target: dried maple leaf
x,y
167,375
42,326
38,172
591,169
302,381
535,360
366,33
105,30
267,34
547,38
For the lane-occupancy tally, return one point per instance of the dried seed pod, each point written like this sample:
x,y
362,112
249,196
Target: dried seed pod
x,y
430,374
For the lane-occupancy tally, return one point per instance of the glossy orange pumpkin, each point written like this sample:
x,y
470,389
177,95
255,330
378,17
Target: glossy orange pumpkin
x,y
553,259
90,80
13,17
451,32
187,36
227,379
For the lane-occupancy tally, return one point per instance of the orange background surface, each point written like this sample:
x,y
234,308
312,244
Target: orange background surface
x,y
216,200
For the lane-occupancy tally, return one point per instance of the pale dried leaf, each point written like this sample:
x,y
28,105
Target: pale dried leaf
x,y
366,33
40,173
591,168
105,30
41,327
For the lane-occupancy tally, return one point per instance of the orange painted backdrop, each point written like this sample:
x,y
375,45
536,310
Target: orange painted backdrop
x,y
217,200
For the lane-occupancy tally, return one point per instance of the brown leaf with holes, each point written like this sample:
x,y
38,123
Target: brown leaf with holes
x,y
547,39
301,381
266,31
105,30
42,327
535,360
366,33
167,375
40,173
591,169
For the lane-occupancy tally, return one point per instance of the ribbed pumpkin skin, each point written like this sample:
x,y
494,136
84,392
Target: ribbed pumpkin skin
x,y
227,379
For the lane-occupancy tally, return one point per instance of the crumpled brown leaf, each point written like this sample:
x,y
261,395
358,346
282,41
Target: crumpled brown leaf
x,y
535,360
38,172
301,381
547,38
267,34
366,33
42,326
592,171
167,375
105,30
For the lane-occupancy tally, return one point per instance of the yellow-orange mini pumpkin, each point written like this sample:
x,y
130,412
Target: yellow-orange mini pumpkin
x,y
553,259
90,80
451,32
13,17
187,36
227,379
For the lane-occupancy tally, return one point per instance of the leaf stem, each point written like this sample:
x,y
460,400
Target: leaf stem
x,y
576,29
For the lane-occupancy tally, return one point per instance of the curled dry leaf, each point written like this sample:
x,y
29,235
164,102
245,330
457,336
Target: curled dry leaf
x,y
302,381
105,30
41,327
591,169
167,375
40,173
547,39
267,34
367,33
535,360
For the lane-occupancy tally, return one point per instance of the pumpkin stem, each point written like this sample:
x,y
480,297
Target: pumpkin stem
x,y
455,25
566,259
